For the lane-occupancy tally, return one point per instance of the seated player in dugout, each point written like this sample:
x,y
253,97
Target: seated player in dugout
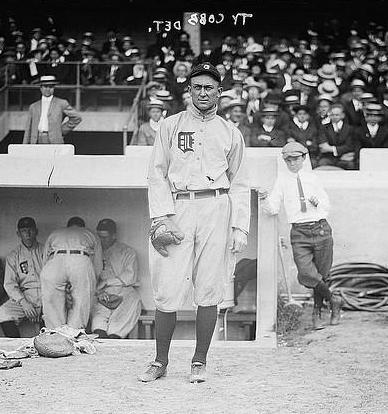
x,y
22,280
118,305
307,207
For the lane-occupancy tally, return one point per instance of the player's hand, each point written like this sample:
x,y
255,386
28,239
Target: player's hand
x,y
238,241
314,201
30,311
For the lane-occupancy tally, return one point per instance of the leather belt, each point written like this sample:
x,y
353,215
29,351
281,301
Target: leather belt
x,y
192,195
70,252
309,223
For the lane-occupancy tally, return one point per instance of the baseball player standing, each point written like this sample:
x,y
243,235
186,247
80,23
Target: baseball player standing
x,y
199,201
73,257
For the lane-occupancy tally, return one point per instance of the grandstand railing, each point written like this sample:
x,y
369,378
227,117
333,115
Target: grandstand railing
x,y
84,87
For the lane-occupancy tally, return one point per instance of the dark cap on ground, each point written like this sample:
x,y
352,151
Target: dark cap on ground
x,y
205,68
107,224
26,222
294,149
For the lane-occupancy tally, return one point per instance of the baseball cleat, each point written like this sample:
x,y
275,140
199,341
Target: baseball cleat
x,y
336,305
154,371
198,372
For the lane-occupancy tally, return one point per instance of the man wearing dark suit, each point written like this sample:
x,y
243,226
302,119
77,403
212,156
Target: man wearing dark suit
x,y
267,134
50,118
353,108
303,130
207,54
373,134
336,143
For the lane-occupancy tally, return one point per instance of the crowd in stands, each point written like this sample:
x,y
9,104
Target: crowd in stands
x,y
326,88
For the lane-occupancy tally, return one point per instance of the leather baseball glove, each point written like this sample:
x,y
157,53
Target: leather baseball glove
x,y
164,233
53,345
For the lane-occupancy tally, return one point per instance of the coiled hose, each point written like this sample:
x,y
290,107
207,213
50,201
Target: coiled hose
x,y
363,286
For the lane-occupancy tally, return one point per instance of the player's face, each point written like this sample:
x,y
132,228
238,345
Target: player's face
x,y
106,238
205,92
295,164
27,235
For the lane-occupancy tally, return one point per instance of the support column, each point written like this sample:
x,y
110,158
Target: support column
x,y
194,32
267,251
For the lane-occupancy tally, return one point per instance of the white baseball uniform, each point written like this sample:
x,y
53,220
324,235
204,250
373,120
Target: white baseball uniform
x,y
72,255
21,281
119,276
201,155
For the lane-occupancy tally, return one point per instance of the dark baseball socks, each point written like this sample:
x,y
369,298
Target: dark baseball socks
x,y
164,328
322,290
204,328
10,329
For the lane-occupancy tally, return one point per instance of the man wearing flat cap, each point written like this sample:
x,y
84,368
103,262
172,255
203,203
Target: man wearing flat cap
x,y
50,118
198,189
307,207
22,279
118,304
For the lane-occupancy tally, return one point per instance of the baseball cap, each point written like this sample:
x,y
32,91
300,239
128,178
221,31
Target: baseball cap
x,y
205,68
107,224
293,149
26,222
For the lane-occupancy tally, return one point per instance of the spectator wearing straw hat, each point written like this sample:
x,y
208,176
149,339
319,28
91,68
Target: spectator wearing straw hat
x,y
328,87
336,141
372,134
322,115
147,131
307,85
353,107
267,134
50,118
236,112
168,101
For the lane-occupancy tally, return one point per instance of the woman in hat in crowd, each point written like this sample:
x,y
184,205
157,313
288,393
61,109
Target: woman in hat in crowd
x,y
147,131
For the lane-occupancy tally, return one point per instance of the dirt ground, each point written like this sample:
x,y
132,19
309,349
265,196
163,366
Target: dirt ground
x,y
340,369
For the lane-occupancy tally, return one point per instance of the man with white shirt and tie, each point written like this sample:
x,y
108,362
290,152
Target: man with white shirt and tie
x,y
374,133
307,207
50,118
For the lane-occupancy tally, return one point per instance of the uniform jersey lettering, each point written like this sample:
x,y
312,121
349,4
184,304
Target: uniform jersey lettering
x,y
186,141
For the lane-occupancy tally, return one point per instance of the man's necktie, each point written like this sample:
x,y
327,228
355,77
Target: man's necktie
x,y
303,207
